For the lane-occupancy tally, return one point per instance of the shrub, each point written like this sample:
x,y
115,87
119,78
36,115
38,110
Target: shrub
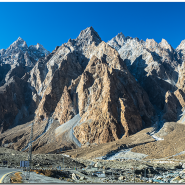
x,y
16,178
48,173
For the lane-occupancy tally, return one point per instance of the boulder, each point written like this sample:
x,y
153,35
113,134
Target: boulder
x,y
121,178
74,177
150,181
182,181
176,179
183,166
98,165
82,178
159,178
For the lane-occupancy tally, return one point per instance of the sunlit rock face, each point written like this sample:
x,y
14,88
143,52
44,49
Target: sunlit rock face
x,y
108,103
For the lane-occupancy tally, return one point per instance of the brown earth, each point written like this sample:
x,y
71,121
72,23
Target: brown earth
x,y
94,150
172,144
141,142
45,142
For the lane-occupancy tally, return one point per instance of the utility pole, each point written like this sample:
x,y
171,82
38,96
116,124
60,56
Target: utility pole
x,y
75,160
63,161
134,173
30,153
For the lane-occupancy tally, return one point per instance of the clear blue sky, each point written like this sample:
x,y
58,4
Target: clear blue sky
x,y
52,24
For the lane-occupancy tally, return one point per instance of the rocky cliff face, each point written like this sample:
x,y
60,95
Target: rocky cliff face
x,y
16,103
98,92
108,103
156,67
16,97
18,59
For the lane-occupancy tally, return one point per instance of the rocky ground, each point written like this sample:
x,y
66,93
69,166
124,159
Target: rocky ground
x,y
169,145
141,157
108,171
131,159
172,145
14,157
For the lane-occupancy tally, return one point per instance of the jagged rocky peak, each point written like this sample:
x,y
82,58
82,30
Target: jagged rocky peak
x,y
39,48
89,35
157,47
181,51
181,46
83,46
103,50
2,51
119,37
19,43
118,41
150,43
164,44
19,59
20,47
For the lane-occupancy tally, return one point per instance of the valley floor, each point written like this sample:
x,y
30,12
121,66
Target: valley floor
x,y
140,158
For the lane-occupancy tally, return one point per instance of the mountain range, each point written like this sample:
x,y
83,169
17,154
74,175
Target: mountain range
x,y
87,91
